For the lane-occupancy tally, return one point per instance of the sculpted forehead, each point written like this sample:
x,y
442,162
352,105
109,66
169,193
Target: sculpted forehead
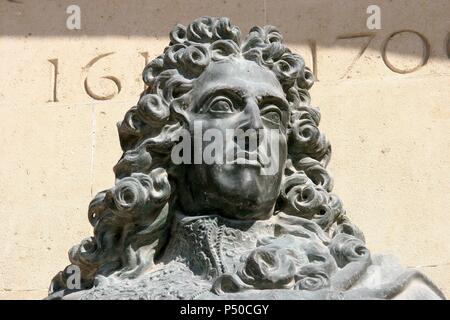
x,y
238,73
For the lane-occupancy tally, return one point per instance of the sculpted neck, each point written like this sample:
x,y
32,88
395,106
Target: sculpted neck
x,y
212,245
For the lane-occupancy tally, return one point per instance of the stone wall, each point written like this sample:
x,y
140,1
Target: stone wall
x,y
384,96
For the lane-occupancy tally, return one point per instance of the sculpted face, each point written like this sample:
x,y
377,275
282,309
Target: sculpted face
x,y
230,95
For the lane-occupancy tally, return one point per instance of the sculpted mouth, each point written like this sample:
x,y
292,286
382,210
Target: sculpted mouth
x,y
246,162
250,158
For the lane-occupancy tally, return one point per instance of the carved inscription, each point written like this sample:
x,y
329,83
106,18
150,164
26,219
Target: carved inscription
x,y
54,96
365,45
447,45
146,61
88,88
313,46
426,49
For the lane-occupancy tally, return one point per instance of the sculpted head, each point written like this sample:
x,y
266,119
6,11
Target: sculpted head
x,y
211,78
230,95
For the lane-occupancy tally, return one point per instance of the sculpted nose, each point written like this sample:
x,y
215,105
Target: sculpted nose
x,y
252,116
252,125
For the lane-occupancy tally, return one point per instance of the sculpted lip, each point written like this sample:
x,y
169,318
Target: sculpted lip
x,y
246,162
250,158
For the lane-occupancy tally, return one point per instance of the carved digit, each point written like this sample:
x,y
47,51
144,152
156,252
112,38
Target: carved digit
x,y
112,78
313,47
145,55
447,44
54,63
425,53
369,35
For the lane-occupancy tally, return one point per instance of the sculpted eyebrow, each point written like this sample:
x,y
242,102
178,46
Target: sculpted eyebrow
x,y
280,102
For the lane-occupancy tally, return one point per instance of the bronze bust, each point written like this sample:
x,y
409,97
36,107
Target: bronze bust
x,y
221,229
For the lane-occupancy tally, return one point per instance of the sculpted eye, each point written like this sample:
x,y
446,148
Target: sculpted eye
x,y
221,105
273,117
